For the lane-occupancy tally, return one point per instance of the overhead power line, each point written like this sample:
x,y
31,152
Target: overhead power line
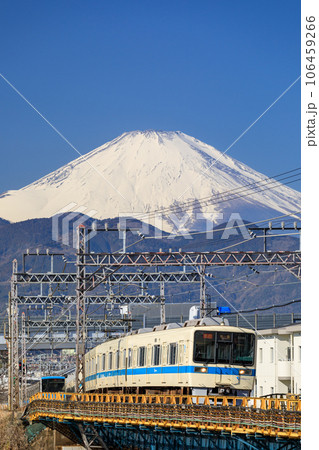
x,y
281,305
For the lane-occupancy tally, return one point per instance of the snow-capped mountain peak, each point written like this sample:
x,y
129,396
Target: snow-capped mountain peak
x,y
144,171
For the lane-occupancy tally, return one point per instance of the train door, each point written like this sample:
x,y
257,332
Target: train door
x,y
186,362
223,357
164,362
124,365
148,362
110,368
134,364
180,362
129,366
118,363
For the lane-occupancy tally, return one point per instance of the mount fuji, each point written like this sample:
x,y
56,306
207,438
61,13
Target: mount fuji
x,y
143,172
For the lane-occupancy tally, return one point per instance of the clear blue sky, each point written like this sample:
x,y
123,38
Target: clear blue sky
x,y
98,68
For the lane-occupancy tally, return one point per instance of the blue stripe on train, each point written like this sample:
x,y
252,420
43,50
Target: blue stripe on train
x,y
166,369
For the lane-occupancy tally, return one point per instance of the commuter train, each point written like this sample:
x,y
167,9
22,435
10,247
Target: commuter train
x,y
52,384
198,357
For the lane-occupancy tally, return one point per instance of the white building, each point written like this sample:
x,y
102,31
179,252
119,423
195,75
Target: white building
x,y
278,361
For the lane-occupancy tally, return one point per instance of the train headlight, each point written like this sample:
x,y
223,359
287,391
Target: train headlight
x,y
244,372
201,369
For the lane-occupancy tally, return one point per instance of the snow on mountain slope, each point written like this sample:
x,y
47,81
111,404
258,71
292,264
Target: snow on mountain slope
x,y
143,171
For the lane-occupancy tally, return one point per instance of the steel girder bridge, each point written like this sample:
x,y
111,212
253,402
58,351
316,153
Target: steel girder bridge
x,y
116,421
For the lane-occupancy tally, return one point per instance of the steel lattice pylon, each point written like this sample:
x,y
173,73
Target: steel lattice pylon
x,y
80,312
23,361
13,388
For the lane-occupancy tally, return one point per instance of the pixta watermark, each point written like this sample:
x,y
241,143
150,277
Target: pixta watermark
x,y
170,226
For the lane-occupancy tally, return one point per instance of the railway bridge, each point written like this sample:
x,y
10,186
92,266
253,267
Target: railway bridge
x,y
124,421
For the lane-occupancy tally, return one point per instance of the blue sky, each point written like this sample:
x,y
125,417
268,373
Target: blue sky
x,y
96,69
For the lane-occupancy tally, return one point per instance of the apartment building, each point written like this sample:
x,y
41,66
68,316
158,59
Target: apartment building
x,y
278,361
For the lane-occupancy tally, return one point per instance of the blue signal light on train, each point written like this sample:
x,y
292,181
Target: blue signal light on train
x,y
223,310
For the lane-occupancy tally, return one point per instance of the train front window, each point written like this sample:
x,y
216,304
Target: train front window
x,y
224,347
204,347
52,384
244,349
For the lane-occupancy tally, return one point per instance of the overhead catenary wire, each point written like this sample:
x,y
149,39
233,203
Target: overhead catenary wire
x,y
231,194
191,203
219,230
266,308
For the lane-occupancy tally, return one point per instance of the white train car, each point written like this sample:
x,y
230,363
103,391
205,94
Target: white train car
x,y
199,357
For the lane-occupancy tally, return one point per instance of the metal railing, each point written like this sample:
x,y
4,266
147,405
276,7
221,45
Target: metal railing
x,y
277,417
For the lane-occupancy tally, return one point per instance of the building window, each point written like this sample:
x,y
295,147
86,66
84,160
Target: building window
x,y
271,354
260,355
288,353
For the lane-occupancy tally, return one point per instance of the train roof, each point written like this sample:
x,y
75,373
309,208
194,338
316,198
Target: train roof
x,y
173,327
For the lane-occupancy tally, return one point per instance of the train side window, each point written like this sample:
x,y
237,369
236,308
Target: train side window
x,y
124,358
117,359
156,360
103,361
129,357
172,354
110,360
141,357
